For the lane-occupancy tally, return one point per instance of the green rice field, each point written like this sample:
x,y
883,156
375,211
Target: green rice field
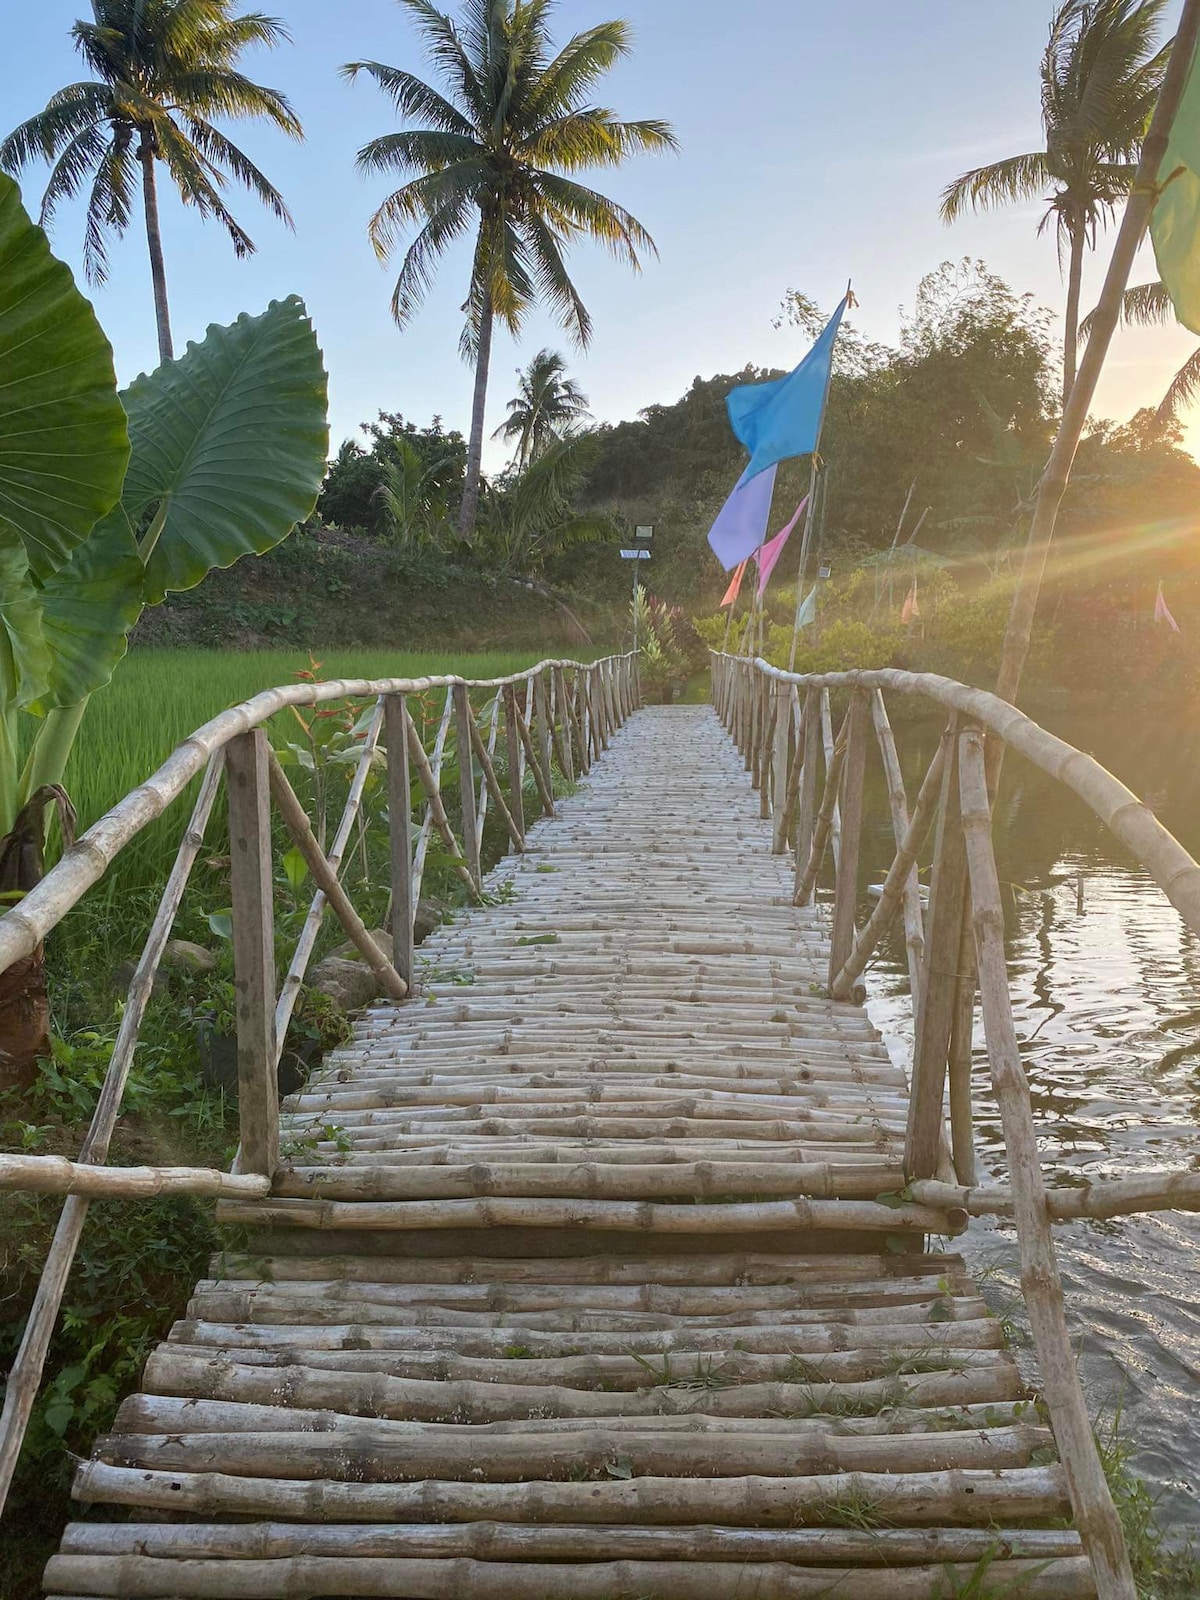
x,y
158,697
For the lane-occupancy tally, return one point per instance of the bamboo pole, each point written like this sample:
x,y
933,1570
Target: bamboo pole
x,y
25,1374
1094,1197
914,925
962,1111
431,781
565,717
898,876
979,1499
1091,1501
252,898
1053,484
57,1175
296,821
833,774
464,718
516,770
845,895
827,741
437,810
806,822
298,967
935,1003
494,789
540,778
400,840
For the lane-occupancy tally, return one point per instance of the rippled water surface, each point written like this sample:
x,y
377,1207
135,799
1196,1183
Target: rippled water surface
x,y
1106,991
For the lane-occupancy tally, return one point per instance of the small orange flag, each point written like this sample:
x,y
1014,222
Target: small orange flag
x,y
910,611
735,583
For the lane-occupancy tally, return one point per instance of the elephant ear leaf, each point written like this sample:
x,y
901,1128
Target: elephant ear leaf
x,y
88,609
230,445
24,653
64,444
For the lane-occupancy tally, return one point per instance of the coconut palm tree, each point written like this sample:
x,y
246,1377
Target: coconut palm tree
x,y
496,156
548,405
163,69
1101,72
1149,305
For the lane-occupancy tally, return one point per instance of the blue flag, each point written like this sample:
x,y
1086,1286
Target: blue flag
x,y
741,524
783,418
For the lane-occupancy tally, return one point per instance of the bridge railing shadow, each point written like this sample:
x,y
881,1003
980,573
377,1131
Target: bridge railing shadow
x,y
490,738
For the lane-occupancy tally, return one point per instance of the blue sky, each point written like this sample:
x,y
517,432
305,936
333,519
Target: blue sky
x,y
814,142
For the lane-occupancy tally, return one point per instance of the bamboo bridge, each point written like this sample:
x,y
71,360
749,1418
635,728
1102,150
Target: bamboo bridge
x,y
614,1256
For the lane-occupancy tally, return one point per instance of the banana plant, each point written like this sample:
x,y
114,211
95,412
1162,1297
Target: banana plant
x,y
109,501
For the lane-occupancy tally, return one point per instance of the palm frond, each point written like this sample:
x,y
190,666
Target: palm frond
x,y
593,138
576,209
579,65
554,283
78,162
421,150
447,222
1001,183
199,183
211,93
1185,387
47,134
450,189
1144,305
446,51
413,97
219,151
110,205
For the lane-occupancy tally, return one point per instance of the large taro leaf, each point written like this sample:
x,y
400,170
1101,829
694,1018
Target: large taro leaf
x,y
232,438
88,609
64,443
24,654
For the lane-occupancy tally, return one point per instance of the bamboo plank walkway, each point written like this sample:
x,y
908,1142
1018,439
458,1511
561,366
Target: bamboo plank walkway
x,y
576,1283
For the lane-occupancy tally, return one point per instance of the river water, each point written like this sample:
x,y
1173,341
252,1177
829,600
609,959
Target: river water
x,y
1107,1003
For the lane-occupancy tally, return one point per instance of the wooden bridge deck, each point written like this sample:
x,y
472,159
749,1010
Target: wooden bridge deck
x,y
577,1283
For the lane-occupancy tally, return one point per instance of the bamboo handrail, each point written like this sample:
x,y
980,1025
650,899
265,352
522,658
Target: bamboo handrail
x,y
57,1175
24,927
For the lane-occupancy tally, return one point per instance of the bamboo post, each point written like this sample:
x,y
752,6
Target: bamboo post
x,y
516,757
464,717
400,841
935,1002
766,748
962,1112
793,767
25,1374
296,821
566,754
1095,1515
781,694
898,873
827,740
845,897
540,721
824,824
806,821
251,896
914,926
540,776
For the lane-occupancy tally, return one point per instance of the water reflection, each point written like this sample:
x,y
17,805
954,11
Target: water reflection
x,y
1106,991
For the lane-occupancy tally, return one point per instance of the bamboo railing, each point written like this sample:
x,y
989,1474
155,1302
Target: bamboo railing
x,y
783,725
557,714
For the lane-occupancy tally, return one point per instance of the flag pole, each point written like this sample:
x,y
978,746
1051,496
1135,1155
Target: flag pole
x,y
806,542
1138,208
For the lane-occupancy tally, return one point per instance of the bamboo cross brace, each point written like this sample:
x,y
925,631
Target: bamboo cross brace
x,y
1164,1190
25,1374
481,799
428,785
790,788
437,811
516,764
491,784
545,794
898,875
306,943
824,817
296,820
1091,1501
914,927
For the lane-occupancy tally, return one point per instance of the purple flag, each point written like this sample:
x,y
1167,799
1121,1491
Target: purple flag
x,y
741,524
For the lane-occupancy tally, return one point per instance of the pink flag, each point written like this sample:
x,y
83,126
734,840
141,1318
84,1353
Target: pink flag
x,y
770,552
910,611
1162,612
735,586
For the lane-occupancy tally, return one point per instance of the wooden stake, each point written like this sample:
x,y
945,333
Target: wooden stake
x,y
400,842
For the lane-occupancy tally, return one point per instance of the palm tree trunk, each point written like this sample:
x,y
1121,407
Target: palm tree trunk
x,y
1071,332
470,500
158,270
